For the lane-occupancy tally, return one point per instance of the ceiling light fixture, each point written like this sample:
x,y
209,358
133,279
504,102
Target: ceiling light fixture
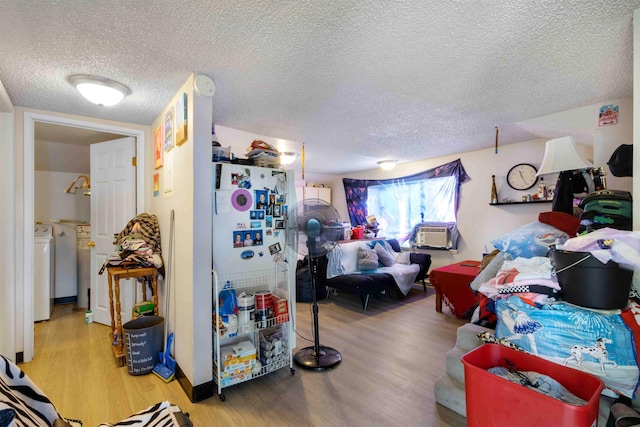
x,y
99,90
288,158
387,164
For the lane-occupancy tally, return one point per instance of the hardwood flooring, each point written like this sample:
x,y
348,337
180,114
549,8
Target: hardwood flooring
x,y
392,355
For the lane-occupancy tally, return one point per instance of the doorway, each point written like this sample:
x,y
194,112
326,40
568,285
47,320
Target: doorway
x,y
29,126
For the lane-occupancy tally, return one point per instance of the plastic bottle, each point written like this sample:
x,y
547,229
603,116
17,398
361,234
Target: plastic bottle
x,y
494,190
542,190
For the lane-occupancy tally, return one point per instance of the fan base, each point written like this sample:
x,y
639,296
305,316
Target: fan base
x,y
326,359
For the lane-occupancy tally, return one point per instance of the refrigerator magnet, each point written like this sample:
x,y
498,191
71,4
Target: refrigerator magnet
x,y
241,200
247,254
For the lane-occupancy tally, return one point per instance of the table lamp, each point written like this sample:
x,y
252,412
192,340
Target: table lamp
x,y
563,156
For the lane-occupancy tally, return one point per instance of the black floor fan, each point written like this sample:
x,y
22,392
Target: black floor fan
x,y
317,227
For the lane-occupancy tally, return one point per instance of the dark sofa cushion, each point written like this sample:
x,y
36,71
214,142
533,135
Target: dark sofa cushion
x,y
394,244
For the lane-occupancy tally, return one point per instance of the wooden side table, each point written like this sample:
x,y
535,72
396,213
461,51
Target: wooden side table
x,y
114,274
451,283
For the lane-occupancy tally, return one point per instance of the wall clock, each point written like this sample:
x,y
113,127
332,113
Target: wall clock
x,y
522,176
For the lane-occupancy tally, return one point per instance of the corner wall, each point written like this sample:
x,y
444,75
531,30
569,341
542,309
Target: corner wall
x,y
189,313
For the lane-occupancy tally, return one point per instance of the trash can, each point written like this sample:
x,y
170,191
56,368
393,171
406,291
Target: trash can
x,y
495,401
143,340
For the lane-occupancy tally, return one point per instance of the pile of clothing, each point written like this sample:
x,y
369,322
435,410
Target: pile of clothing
x,y
263,154
138,244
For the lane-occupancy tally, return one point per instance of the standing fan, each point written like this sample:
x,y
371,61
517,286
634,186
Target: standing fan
x,y
317,229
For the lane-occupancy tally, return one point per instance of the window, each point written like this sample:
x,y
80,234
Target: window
x,y
400,204
398,207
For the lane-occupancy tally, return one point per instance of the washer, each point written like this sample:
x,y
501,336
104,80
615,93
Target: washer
x,y
44,274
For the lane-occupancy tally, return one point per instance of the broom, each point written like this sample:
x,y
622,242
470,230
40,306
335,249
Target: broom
x,y
166,368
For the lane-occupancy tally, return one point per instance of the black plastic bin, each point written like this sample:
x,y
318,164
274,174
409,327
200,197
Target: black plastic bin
x,y
587,282
143,340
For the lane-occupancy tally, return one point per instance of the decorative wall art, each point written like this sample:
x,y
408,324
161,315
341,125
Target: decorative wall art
x,y
181,119
156,184
608,115
169,140
167,176
158,151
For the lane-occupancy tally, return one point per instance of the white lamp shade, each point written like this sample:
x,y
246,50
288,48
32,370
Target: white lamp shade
x,y
562,154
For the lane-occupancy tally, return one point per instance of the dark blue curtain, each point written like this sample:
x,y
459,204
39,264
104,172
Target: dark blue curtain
x,y
356,189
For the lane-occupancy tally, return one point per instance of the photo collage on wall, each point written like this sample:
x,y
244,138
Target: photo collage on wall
x,y
265,211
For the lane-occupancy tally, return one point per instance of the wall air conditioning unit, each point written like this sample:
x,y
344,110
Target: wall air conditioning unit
x,y
433,237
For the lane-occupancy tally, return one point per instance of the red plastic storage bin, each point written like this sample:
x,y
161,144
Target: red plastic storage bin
x,y
358,233
496,401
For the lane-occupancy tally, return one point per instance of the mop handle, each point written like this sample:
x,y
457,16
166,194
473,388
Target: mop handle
x,y
168,280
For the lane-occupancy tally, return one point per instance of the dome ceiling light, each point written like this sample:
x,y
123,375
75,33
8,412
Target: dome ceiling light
x,y
99,90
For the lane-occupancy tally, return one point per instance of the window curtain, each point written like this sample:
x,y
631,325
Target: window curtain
x,y
356,190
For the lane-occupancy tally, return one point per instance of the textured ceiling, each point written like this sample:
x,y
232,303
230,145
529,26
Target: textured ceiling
x,y
380,79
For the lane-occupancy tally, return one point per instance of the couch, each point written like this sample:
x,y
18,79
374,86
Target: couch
x,y
388,271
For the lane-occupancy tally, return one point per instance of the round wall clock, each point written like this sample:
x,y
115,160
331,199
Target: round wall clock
x,y
522,176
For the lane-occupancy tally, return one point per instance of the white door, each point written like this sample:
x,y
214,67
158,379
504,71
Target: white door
x,y
113,204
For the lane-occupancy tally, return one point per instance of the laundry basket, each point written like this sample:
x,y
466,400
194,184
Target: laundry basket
x,y
495,401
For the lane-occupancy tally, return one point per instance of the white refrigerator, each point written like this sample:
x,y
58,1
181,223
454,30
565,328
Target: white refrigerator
x,y
250,209
251,253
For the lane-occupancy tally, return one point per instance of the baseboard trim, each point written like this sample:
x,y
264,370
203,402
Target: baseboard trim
x,y
65,300
197,393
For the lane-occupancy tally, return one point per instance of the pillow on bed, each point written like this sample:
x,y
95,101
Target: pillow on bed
x,y
489,272
367,259
387,259
403,258
562,221
530,240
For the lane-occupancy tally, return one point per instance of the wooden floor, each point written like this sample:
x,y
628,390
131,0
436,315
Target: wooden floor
x,y
392,355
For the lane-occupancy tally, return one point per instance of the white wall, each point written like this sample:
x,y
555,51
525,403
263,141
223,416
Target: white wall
x,y
636,118
190,304
7,228
583,122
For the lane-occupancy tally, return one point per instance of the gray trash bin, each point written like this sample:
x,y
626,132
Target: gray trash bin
x,y
143,340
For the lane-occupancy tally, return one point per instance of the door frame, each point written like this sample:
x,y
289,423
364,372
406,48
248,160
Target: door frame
x,y
29,200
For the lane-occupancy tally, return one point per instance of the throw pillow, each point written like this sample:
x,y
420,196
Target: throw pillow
x,y
384,256
562,221
367,259
403,258
489,272
533,239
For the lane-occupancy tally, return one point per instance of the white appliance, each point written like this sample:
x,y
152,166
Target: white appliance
x,y
250,210
83,264
44,273
249,215
436,237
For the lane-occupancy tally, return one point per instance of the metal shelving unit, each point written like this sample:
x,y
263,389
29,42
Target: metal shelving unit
x,y
246,368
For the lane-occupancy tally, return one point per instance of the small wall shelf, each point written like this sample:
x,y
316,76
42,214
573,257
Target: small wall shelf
x,y
520,203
